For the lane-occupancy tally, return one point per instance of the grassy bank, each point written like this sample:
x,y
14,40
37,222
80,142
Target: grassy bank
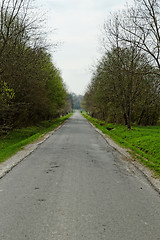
x,y
143,141
18,138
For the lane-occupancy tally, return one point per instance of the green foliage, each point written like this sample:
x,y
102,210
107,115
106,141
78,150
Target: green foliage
x,y
124,89
31,88
6,92
55,88
18,138
143,141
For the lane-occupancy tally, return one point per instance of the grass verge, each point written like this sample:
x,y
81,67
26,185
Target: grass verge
x,y
18,138
143,141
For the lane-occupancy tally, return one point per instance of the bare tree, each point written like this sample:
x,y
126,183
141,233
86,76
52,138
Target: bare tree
x,y
13,20
140,25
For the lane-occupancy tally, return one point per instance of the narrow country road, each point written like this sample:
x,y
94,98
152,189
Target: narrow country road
x,y
75,186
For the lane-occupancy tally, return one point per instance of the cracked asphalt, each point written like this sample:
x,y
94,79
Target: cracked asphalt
x,y
75,186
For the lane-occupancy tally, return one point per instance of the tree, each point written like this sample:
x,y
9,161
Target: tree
x,y
32,88
121,87
14,21
140,25
121,34
76,100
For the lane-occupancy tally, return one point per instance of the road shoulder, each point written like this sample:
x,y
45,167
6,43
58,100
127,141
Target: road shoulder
x,y
149,174
9,164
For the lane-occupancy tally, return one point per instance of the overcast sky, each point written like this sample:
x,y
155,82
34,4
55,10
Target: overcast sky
x,y
77,25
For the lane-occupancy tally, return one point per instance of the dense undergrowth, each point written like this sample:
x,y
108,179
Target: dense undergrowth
x,y
143,141
18,138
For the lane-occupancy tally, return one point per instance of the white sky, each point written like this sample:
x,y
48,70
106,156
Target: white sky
x,y
77,25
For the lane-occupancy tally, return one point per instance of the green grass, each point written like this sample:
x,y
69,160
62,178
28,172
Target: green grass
x,y
144,142
18,138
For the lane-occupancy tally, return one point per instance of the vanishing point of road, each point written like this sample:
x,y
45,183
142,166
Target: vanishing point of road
x,y
75,186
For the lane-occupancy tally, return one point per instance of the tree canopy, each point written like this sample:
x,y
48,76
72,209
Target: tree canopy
x,y
31,86
125,82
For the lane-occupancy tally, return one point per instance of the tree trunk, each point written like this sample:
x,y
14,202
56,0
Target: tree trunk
x,y
127,118
129,124
141,116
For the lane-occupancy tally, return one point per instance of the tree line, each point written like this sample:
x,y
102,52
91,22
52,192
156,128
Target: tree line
x,y
75,100
125,85
31,86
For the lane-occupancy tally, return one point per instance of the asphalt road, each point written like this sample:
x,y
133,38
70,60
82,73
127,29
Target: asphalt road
x,y
75,186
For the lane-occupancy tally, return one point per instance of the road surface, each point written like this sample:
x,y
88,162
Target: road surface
x,y
75,186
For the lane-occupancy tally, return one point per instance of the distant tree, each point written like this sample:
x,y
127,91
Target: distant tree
x,y
67,108
76,101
